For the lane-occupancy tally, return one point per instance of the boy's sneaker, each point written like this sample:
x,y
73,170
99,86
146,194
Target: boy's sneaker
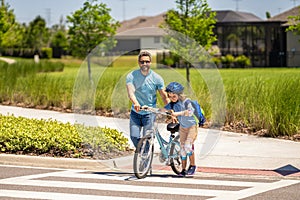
x,y
191,171
182,173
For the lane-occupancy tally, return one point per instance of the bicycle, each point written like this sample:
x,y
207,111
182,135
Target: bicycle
x,y
170,150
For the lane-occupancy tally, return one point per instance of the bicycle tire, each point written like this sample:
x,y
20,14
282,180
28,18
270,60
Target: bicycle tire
x,y
142,160
175,161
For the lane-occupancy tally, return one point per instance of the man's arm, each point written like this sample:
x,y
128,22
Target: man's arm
x,y
131,96
164,96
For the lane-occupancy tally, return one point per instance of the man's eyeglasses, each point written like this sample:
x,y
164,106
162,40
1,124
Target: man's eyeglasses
x,y
144,61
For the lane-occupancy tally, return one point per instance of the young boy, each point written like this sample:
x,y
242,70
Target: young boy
x,y
182,108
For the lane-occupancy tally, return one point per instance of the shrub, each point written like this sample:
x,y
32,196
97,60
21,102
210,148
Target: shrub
x,y
46,52
242,61
227,61
22,135
168,61
217,61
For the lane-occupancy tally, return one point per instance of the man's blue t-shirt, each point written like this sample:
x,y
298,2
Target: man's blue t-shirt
x,y
145,87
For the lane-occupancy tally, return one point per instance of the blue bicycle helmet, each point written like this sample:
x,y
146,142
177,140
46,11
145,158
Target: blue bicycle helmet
x,y
175,88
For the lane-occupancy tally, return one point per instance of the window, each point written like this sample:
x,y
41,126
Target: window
x,y
156,39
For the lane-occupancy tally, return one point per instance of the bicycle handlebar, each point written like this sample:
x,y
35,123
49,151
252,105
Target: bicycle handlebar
x,y
154,110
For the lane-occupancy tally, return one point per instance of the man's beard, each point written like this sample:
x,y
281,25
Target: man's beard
x,y
145,68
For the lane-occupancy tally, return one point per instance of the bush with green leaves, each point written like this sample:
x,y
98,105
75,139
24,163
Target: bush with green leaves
x,y
168,61
33,136
227,61
242,61
47,52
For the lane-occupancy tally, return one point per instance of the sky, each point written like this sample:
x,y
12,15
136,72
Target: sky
x,y
53,10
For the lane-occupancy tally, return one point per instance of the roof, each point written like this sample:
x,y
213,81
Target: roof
x,y
149,25
143,31
236,16
141,22
283,17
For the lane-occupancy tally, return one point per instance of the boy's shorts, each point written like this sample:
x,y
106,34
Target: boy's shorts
x,y
188,134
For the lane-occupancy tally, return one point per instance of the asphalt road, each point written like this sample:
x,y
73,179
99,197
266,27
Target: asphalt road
x,y
20,182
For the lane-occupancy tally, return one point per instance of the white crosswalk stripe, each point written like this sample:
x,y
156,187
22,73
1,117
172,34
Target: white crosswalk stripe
x,y
118,184
56,196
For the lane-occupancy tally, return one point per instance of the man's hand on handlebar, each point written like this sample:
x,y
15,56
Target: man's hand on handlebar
x,y
163,111
137,107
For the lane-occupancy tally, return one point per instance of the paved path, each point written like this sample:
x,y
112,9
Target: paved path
x,y
215,150
8,60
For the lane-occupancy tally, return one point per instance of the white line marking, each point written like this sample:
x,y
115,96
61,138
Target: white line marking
x,y
73,174
33,176
119,187
256,190
58,196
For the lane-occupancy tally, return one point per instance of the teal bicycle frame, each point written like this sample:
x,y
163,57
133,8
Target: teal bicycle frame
x,y
170,151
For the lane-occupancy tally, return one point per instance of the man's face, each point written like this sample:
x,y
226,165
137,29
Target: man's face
x,y
144,63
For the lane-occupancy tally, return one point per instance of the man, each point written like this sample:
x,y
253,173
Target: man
x,y
142,85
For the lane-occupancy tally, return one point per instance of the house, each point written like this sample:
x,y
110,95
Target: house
x,y
140,33
290,42
265,42
241,33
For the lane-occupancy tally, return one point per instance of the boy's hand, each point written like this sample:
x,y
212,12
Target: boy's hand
x,y
173,116
174,120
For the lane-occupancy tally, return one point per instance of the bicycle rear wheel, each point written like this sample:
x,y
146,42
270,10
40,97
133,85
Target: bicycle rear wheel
x,y
143,156
175,158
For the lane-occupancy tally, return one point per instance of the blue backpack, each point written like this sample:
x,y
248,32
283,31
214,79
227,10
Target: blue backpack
x,y
198,112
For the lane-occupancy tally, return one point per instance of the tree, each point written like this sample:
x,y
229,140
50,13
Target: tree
x,y
37,34
7,19
59,39
90,26
195,20
13,38
268,15
294,22
59,43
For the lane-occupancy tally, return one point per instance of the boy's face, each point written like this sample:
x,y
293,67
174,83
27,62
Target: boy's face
x,y
173,97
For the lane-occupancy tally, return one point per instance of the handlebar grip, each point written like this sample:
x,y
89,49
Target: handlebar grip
x,y
143,108
168,113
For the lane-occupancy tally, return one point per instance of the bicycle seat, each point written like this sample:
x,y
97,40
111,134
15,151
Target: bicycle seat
x,y
173,127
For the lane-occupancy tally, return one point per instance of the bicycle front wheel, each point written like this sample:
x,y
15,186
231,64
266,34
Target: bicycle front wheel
x,y
175,158
143,156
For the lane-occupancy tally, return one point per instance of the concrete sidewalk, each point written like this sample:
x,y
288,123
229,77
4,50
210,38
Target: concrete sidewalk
x,y
214,149
8,60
